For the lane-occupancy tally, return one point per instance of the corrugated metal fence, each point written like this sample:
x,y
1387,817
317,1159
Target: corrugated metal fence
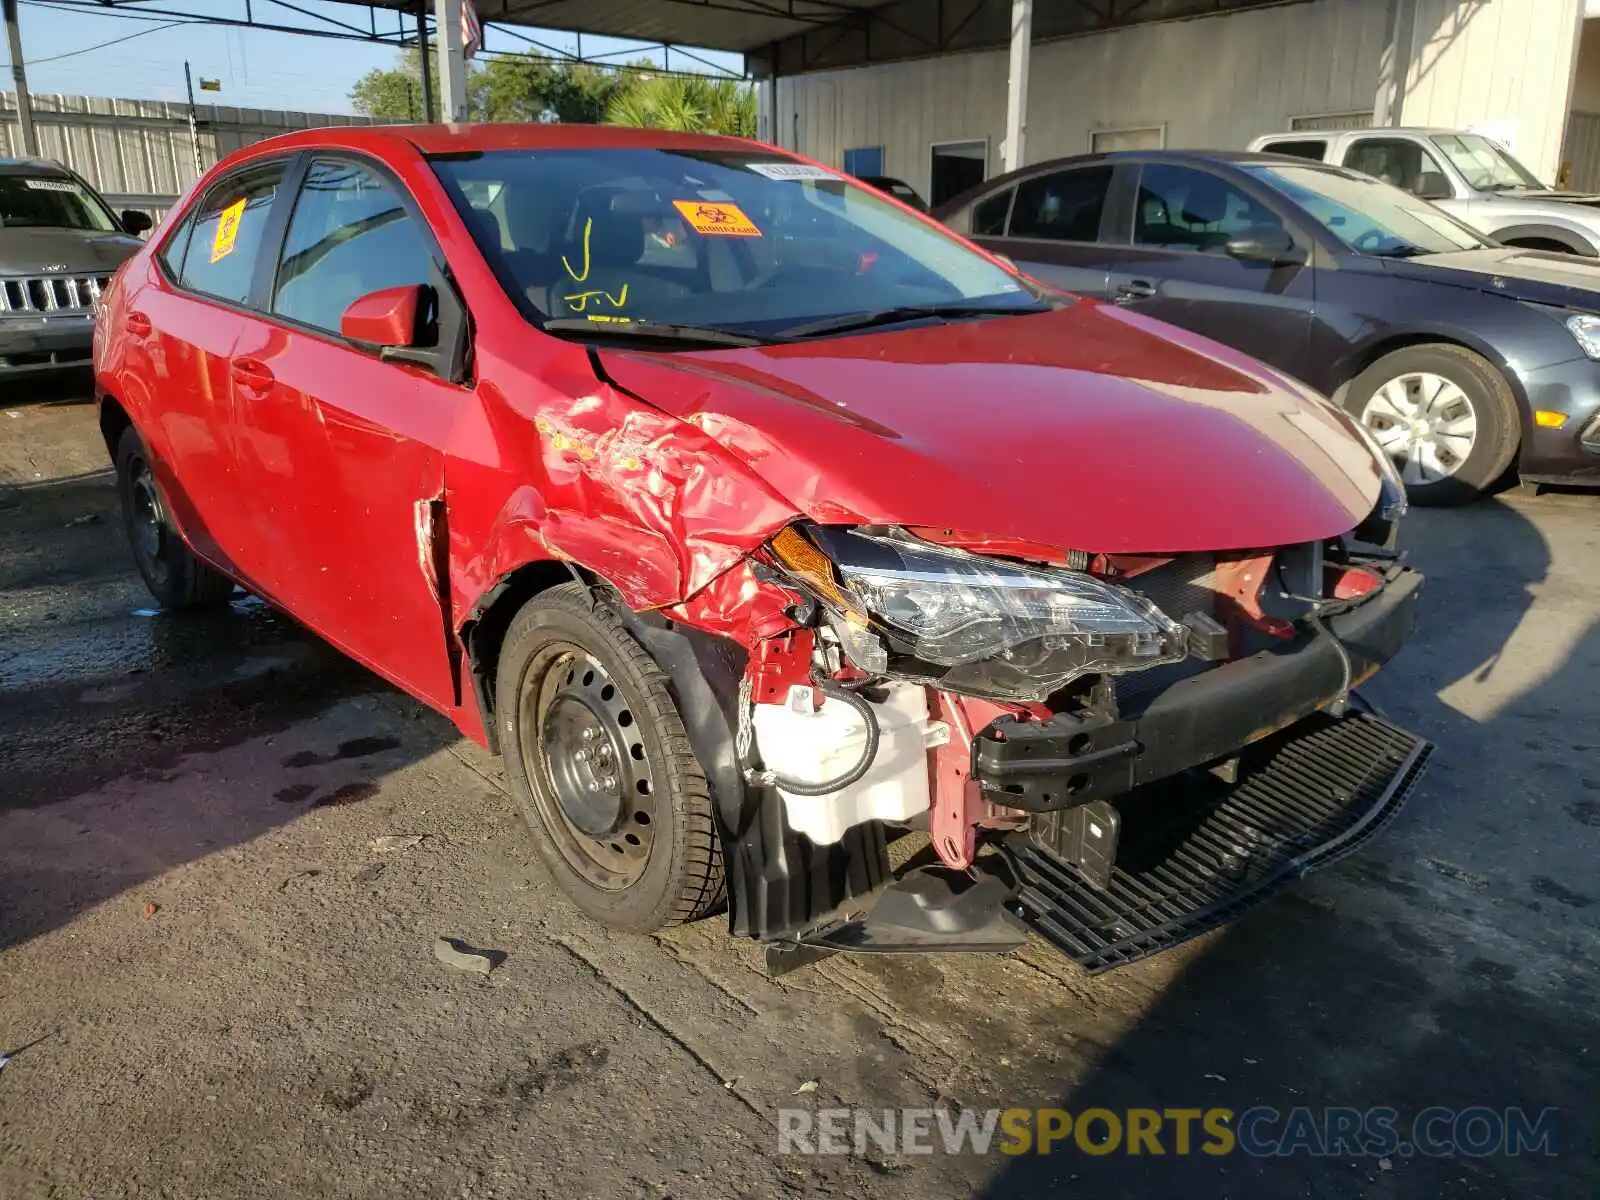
x,y
138,153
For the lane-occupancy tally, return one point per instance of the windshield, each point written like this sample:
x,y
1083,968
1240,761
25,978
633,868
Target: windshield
x,y
740,241
1369,215
29,201
1484,165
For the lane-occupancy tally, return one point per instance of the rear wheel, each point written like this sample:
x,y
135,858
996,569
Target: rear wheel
x,y
597,756
176,577
1444,414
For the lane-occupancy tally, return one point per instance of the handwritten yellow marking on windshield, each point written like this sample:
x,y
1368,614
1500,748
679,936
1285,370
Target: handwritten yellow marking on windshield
x,y
588,228
580,301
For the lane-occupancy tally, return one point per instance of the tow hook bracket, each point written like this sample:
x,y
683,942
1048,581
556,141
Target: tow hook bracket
x,y
1086,837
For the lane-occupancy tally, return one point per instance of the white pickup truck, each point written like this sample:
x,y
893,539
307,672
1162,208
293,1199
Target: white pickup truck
x,y
1472,178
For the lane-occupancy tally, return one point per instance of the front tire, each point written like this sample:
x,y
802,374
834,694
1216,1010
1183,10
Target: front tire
x,y
176,577
1444,414
599,761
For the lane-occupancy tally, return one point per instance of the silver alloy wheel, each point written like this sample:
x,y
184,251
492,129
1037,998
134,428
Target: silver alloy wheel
x,y
1425,423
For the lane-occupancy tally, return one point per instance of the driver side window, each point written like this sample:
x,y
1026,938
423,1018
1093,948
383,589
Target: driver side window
x,y
350,234
1180,208
1399,162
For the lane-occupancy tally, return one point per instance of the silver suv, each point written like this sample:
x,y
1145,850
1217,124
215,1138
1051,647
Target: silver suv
x,y
59,246
1466,174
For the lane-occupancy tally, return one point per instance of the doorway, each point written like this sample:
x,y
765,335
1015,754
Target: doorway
x,y
956,166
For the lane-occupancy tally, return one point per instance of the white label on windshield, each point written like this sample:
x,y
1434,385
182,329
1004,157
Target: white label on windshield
x,y
51,185
791,170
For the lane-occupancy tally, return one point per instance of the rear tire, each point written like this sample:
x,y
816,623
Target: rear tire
x,y
175,575
597,756
1444,414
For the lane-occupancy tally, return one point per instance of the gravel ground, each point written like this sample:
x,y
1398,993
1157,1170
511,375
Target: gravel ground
x,y
226,854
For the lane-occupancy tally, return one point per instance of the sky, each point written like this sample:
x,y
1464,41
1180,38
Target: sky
x,y
257,69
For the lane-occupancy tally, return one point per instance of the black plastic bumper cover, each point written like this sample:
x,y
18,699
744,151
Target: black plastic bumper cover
x,y
1197,853
1044,765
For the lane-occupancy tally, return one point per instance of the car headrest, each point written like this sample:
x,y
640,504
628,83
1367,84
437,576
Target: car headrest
x,y
486,229
615,239
1205,205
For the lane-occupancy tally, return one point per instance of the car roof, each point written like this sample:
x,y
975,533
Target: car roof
x,y
1233,158
467,139
1380,130
1227,158
31,166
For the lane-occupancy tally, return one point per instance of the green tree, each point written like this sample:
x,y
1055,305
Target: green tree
x,y
580,93
396,94
688,104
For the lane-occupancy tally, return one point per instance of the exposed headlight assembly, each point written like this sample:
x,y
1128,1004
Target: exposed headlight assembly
x,y
976,625
1585,330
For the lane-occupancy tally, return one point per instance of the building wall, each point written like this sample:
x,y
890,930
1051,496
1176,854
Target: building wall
x,y
1586,83
1503,66
1210,82
138,153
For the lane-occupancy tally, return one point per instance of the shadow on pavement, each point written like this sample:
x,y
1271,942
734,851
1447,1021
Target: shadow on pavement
x,y
103,700
1394,979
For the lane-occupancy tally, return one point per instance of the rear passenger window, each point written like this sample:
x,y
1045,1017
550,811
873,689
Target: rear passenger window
x,y
1064,206
350,234
989,216
225,235
1312,148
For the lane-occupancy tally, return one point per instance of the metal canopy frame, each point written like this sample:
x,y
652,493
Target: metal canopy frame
x,y
395,23
902,29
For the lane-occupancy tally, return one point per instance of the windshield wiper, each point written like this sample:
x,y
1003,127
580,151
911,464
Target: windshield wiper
x,y
1400,252
703,334
909,312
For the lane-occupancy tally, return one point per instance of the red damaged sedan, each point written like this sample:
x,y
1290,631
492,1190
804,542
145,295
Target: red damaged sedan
x,y
759,522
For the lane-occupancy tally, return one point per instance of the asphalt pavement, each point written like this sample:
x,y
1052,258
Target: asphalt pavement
x,y
226,853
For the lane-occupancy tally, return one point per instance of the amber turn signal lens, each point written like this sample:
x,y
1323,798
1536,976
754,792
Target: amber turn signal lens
x,y
1545,419
811,567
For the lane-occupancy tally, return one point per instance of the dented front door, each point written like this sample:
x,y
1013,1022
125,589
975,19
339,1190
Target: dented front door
x,y
348,450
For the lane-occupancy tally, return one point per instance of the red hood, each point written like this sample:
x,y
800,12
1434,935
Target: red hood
x,y
1087,428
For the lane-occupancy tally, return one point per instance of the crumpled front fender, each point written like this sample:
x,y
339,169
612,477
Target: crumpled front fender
x,y
645,501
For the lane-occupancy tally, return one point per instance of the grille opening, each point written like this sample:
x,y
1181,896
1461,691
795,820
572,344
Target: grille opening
x,y
52,293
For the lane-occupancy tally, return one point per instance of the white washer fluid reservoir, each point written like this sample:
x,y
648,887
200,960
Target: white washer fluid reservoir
x,y
812,745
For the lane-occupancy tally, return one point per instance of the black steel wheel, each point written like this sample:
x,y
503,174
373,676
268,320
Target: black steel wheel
x,y
596,789
176,577
596,753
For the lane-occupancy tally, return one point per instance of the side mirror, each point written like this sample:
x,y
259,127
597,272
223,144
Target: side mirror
x,y
1433,185
136,222
1266,244
386,319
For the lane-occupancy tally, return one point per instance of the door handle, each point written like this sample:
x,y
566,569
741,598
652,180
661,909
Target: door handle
x,y
137,324
1135,289
249,373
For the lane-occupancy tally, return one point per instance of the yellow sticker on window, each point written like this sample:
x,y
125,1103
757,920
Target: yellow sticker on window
x,y
227,230
716,219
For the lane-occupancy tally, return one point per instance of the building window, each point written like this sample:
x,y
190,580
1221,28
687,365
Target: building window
x,y
864,161
1339,120
1148,137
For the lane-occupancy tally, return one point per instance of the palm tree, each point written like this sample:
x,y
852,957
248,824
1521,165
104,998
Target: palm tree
x,y
686,104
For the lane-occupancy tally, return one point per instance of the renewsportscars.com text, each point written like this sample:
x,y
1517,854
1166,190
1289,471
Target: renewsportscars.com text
x,y
1262,1132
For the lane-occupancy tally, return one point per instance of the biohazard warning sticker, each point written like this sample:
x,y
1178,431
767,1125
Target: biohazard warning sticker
x,y
227,230
716,218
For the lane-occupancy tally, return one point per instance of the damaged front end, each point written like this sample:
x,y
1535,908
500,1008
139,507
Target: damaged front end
x,y
1117,751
